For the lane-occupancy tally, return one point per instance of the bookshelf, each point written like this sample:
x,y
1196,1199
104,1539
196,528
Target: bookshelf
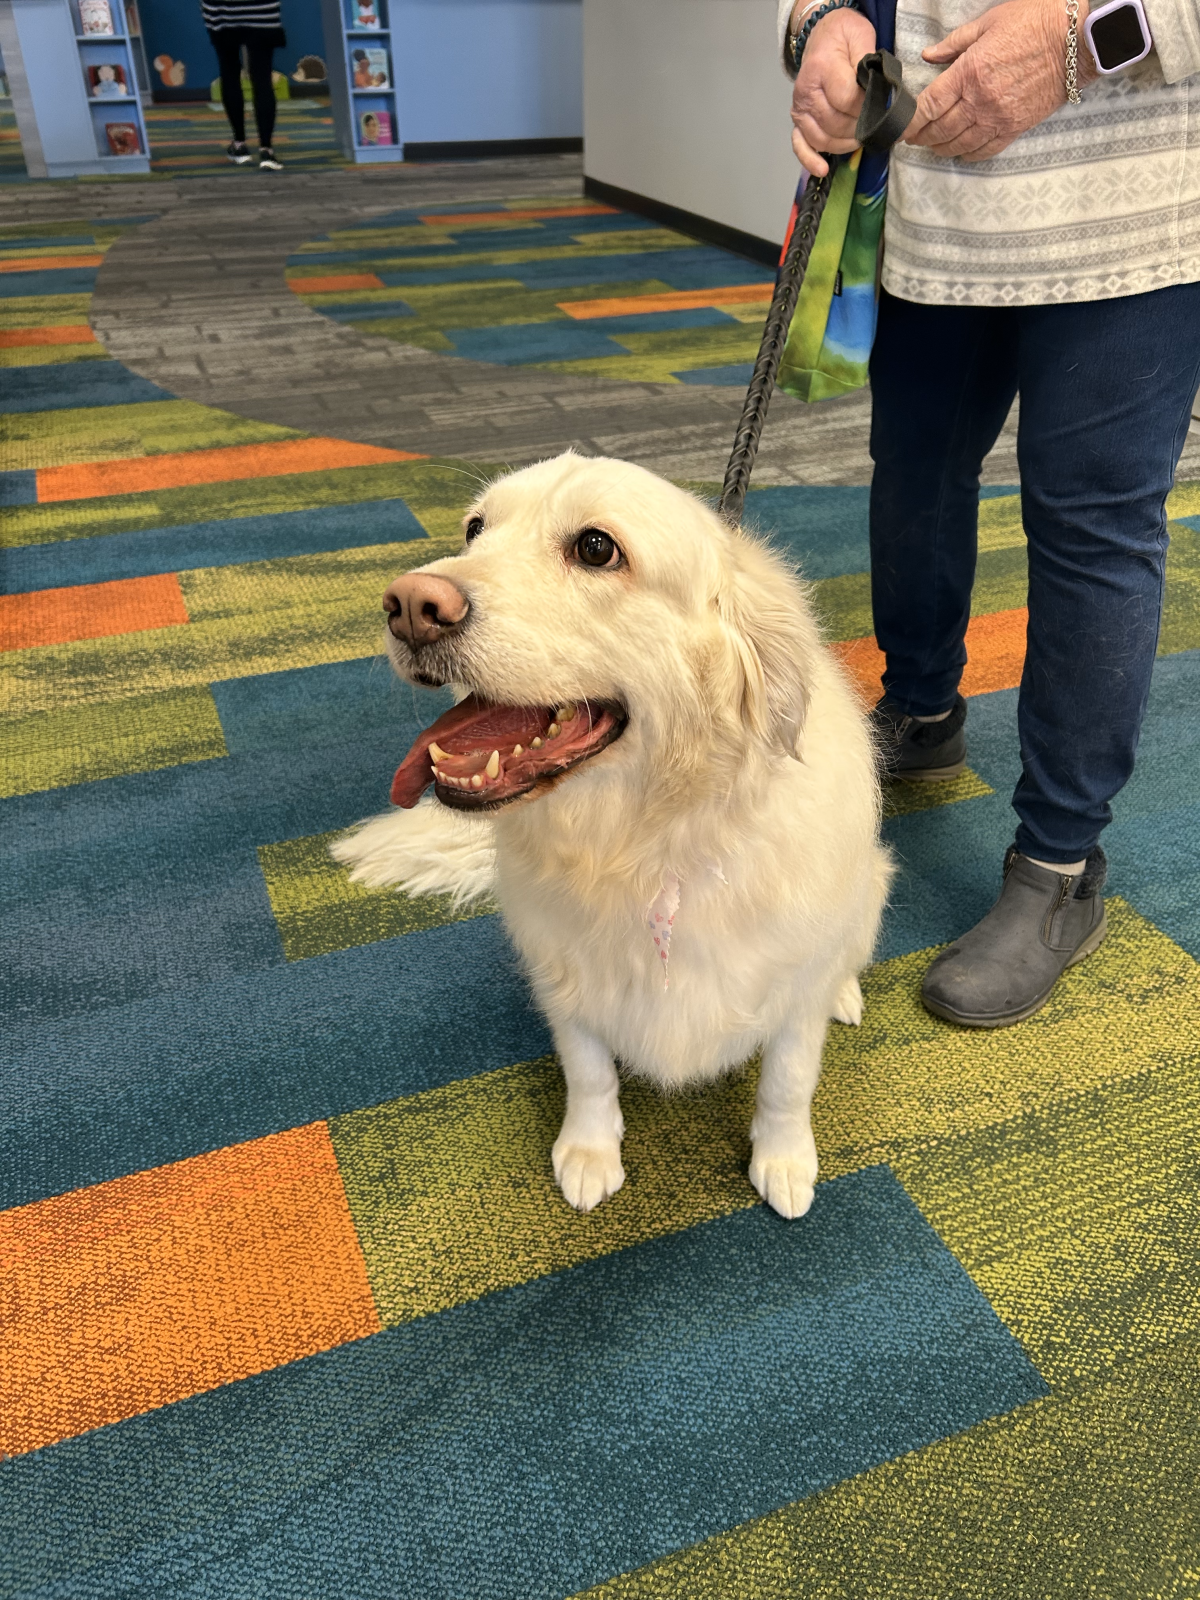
x,y
67,82
352,49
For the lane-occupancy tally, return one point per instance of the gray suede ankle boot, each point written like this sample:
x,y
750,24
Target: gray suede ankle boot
x,y
1005,968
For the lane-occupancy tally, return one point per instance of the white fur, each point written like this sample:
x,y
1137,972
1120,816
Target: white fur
x,y
427,850
745,771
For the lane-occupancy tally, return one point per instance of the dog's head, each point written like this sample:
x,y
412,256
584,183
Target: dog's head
x,y
595,603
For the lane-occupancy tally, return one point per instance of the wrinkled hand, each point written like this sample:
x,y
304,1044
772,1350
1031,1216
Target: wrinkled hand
x,y
1007,75
826,99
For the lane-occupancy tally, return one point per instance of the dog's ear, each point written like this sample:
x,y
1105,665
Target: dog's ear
x,y
774,638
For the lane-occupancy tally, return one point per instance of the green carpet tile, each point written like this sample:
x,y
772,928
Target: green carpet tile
x,y
291,1303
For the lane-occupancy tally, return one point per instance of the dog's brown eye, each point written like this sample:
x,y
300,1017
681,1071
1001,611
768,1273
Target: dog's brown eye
x,y
596,549
474,528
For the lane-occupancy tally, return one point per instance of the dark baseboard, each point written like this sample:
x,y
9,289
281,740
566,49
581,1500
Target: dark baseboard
x,y
742,244
488,149
162,95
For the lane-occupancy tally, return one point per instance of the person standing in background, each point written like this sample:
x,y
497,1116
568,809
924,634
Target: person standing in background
x,y
257,25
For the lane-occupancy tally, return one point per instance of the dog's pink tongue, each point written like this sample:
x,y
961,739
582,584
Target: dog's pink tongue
x,y
470,725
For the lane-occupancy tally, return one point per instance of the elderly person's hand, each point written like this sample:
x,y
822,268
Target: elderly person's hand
x,y
1007,75
826,99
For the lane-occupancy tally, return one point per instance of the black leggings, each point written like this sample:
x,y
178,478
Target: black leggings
x,y
228,45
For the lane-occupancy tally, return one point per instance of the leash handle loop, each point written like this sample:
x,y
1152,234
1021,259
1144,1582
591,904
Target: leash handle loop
x,y
888,108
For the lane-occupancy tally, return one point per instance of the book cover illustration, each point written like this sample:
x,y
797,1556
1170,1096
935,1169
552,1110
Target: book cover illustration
x,y
95,17
366,14
106,81
371,69
375,127
123,138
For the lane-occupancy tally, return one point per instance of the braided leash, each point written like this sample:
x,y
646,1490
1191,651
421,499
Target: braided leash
x,y
887,110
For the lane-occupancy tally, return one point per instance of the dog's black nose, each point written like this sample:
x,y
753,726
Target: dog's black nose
x,y
422,606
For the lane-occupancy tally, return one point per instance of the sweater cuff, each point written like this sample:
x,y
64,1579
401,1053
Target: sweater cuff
x,y
783,17
1175,29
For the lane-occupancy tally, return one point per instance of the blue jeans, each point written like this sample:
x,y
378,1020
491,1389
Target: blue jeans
x,y
1106,391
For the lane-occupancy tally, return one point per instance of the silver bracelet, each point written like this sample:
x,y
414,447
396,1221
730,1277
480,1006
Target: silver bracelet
x,y
791,44
1073,94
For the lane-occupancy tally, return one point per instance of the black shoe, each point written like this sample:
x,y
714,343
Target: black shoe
x,y
267,161
915,751
238,153
1006,967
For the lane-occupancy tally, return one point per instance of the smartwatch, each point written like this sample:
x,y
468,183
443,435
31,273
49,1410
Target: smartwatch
x,y
1118,34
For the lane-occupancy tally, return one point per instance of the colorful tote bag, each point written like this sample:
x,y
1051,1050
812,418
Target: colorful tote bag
x,y
833,328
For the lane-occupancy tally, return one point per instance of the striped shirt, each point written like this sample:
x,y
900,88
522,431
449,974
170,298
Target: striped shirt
x,y
1100,200
220,14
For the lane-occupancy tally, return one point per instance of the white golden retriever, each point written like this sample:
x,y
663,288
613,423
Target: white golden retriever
x,y
667,782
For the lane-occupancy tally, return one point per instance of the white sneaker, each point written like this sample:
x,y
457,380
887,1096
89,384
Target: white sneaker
x,y
238,153
267,161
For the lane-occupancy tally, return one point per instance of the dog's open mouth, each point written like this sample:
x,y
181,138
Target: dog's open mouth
x,y
479,755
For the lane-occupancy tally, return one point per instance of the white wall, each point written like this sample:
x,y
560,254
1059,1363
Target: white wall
x,y
488,69
685,101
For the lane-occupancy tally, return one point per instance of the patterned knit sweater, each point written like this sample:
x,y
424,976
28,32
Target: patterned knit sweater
x,y
1099,200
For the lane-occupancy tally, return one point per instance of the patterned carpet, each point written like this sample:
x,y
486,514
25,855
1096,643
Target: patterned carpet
x,y
290,1303
188,140
583,289
12,162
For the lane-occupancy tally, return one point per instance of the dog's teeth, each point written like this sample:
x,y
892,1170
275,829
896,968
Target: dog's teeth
x,y
537,744
566,713
553,731
518,750
436,751
492,770
477,781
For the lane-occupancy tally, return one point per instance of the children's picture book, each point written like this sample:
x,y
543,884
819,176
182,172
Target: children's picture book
x,y
123,138
95,16
106,81
366,14
370,69
375,127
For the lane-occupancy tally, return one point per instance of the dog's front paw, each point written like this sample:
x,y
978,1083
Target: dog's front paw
x,y
587,1174
784,1177
848,1005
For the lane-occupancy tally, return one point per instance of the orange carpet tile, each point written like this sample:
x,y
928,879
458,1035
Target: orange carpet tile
x,y
995,655
44,263
736,294
333,285
16,338
184,468
467,219
90,611
129,1295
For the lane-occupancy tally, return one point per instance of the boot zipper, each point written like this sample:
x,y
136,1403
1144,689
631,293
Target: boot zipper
x,y
1065,885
